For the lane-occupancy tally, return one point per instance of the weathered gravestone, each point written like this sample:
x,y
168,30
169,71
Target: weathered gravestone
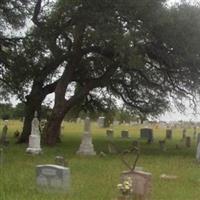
x,y
184,134
141,181
198,150
60,160
146,133
195,132
53,177
86,147
162,145
16,134
188,141
124,134
135,144
109,134
3,139
168,134
1,156
112,148
115,123
34,138
198,138
101,122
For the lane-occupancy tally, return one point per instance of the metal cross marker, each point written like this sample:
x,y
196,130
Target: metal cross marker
x,y
133,149
132,165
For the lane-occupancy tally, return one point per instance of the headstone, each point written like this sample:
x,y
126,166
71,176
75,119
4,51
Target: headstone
x,y
162,145
3,139
115,123
53,177
16,134
60,160
198,152
135,143
195,132
111,148
146,133
124,134
101,122
1,156
86,147
188,141
142,183
169,134
34,138
78,120
184,134
109,134
198,138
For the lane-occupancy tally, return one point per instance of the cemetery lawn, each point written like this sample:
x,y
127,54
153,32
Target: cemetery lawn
x,y
96,178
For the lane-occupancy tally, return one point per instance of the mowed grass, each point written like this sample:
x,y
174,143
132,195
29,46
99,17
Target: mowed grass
x,y
95,178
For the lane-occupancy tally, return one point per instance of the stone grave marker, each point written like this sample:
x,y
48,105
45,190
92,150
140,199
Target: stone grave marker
x,y
78,120
111,148
4,140
135,143
53,177
188,141
141,181
198,138
1,156
86,146
125,134
101,122
184,134
169,134
115,123
60,160
198,150
34,138
162,145
16,134
147,133
195,132
109,133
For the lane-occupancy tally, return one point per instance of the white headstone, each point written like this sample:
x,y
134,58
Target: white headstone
x,y
101,122
52,177
86,147
34,138
198,149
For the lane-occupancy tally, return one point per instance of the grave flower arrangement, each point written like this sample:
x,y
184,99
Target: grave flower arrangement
x,y
126,188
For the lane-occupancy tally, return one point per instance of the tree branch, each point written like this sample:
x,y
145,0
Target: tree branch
x,y
36,13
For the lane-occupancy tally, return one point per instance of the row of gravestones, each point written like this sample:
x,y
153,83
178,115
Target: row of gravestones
x,y
57,176
145,133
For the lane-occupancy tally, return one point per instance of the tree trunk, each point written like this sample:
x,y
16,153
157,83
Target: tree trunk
x,y
52,134
31,106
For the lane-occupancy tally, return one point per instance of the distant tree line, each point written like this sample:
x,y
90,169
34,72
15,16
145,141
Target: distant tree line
x,y
8,111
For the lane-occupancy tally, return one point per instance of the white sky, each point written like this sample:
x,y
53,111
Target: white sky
x,y
168,116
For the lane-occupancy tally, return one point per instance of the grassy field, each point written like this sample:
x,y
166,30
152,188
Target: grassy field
x,y
95,178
